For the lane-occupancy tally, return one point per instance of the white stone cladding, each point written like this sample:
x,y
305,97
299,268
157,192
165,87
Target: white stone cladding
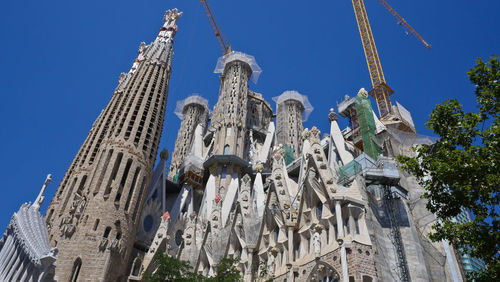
x,y
306,221
25,252
194,112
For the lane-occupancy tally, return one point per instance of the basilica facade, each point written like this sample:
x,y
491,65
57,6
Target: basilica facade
x,y
246,180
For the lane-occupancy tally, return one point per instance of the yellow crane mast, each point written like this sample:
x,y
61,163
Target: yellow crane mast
x,y
381,91
224,44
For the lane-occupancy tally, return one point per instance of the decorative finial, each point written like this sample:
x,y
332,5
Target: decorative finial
x,y
362,93
332,116
165,216
39,200
172,15
164,154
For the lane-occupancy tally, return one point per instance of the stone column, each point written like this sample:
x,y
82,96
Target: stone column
x,y
26,271
248,270
4,253
340,240
10,261
20,268
13,267
290,253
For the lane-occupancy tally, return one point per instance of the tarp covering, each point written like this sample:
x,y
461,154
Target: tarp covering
x,y
239,56
288,154
366,122
193,99
294,95
410,139
349,170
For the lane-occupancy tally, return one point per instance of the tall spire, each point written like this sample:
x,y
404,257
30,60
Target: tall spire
x,y
95,212
40,198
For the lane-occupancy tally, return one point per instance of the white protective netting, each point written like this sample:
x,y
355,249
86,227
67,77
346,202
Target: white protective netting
x,y
294,95
405,114
239,56
410,139
193,99
192,160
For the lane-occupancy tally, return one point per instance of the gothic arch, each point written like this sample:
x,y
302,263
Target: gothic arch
x,y
323,272
77,265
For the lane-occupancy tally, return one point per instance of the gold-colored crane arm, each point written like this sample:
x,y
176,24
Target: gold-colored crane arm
x,y
224,44
380,91
402,22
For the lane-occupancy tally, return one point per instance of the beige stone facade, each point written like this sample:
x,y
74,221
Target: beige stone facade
x,y
332,214
94,215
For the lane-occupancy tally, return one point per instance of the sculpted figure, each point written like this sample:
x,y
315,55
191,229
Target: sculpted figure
x,y
270,264
317,244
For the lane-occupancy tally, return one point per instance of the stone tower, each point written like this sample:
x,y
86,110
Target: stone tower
x,y
292,110
230,112
94,215
193,112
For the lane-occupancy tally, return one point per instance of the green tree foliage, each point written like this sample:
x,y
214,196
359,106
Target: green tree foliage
x,y
173,270
462,170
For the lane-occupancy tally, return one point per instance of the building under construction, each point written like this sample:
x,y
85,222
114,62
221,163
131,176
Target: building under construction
x,y
246,181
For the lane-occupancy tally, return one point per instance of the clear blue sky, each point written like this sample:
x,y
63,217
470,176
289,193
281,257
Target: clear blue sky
x,y
61,61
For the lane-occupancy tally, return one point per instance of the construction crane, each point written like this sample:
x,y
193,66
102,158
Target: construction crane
x,y
224,44
403,23
381,91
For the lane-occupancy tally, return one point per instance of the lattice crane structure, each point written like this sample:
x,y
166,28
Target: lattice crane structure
x,y
381,91
224,44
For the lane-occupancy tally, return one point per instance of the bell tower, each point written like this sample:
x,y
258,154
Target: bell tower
x,y
93,217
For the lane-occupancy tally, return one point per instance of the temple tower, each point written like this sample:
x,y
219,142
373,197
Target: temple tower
x,y
229,118
229,154
292,110
93,217
193,112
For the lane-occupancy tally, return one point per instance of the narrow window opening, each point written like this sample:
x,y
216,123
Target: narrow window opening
x,y
138,203
76,269
132,187
69,194
96,224
106,232
113,174
123,181
82,184
104,168
51,212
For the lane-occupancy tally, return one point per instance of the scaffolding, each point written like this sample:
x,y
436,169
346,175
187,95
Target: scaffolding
x,y
397,241
367,124
349,170
289,152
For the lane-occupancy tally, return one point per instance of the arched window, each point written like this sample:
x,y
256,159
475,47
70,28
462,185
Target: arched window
x,y
276,233
319,210
226,150
136,268
367,278
76,269
323,272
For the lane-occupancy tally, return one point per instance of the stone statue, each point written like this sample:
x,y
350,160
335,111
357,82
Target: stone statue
x,y
270,263
317,244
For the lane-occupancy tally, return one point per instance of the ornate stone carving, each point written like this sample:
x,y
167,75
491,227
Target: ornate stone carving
x,y
332,116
